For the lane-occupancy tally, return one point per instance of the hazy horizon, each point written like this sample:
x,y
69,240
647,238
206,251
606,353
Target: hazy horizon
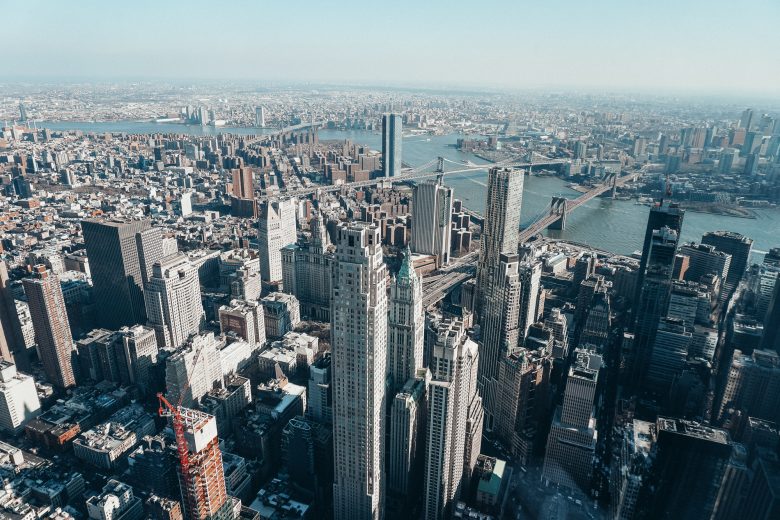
x,y
665,48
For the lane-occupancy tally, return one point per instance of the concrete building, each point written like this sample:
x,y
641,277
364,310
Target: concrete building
x,y
530,287
320,395
432,220
18,398
306,271
104,445
704,260
173,303
670,350
121,255
50,321
245,319
571,444
752,386
281,314
180,367
454,409
734,244
276,230
631,464
406,324
115,502
392,136
359,372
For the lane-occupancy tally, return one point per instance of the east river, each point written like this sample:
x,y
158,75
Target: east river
x,y
612,225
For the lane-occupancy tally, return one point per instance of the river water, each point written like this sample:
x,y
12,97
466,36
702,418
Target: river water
x,y
612,225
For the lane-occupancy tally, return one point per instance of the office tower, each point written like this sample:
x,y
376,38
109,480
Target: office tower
x,y
499,328
726,162
736,245
661,215
669,352
431,220
306,271
558,324
406,444
121,255
693,471
319,403
752,141
753,386
245,319
530,277
307,451
746,120
391,145
452,398
173,300
12,345
359,372
524,380
571,443
405,327
771,337
584,268
243,184
50,321
580,149
260,116
751,165
598,324
203,375
203,486
138,350
653,300
631,465
18,398
764,282
281,313
762,500
276,229
704,260
690,302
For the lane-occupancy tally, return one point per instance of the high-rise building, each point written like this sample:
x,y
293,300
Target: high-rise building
x,y
753,386
771,337
406,443
319,393
558,323
243,184
260,116
432,220
203,375
746,120
405,327
530,277
499,329
12,345
138,349
653,299
203,487
18,398
670,350
631,465
571,443
734,244
173,302
359,372
392,136
598,323
276,229
121,255
695,470
306,271
50,321
524,380
452,400
661,215
705,259
245,319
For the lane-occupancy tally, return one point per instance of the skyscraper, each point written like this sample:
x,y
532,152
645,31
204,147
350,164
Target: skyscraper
x,y
120,254
391,145
12,346
661,215
243,184
452,399
260,116
753,386
406,324
203,487
359,372
50,321
571,443
499,329
734,244
431,220
530,278
173,300
653,300
276,229
705,259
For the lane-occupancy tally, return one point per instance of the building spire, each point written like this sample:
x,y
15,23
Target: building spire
x,y
407,265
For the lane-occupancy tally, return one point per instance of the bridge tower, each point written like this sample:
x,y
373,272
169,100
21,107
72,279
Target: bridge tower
x,y
558,208
440,164
614,178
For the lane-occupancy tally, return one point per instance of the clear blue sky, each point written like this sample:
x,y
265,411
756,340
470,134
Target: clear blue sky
x,y
709,45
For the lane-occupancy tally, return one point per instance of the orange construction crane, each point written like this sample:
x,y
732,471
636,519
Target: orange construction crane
x,y
174,412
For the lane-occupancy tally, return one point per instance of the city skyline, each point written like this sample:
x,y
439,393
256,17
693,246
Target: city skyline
x,y
569,45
